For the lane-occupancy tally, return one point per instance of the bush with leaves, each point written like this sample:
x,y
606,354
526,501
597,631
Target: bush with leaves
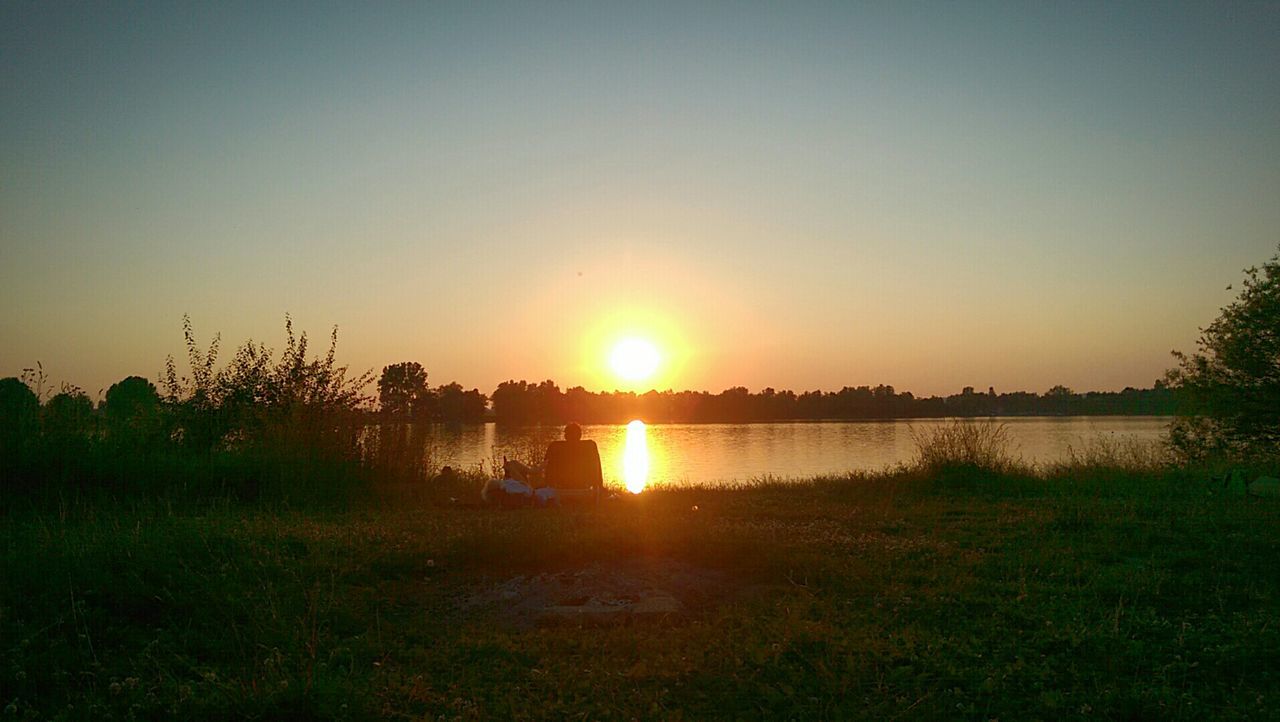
x,y
292,417
1229,390
258,393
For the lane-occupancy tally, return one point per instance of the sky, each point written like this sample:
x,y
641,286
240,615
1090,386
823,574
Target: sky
x,y
795,195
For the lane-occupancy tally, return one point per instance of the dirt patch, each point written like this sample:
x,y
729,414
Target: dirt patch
x,y
601,593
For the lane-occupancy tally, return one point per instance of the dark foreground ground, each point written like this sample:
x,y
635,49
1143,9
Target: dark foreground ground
x,y
970,596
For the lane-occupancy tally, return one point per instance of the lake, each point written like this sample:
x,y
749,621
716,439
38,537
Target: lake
x,y
656,454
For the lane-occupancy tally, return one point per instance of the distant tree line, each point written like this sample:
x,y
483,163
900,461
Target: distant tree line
x,y
524,402
294,426
403,395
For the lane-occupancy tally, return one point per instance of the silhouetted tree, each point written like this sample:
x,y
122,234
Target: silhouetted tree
x,y
67,434
19,417
18,403
512,402
131,409
129,398
548,402
402,390
454,405
68,413
1230,388
521,402
1059,399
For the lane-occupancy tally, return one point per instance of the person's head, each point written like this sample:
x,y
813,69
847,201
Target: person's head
x,y
572,432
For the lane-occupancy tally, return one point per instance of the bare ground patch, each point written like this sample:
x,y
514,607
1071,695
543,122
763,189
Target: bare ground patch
x,y
601,593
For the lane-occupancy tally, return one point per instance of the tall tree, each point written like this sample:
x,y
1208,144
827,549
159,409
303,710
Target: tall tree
x,y
402,389
68,413
19,413
131,410
1229,390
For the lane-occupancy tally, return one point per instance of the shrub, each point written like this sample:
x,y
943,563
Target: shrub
x,y
964,445
297,420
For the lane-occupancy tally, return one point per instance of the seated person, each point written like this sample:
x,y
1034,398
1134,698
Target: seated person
x,y
573,466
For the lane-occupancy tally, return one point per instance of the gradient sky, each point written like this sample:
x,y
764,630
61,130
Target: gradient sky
x,y
799,196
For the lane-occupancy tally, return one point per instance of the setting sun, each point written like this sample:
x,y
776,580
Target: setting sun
x,y
634,359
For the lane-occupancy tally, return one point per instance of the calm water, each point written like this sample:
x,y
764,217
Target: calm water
x,y
701,453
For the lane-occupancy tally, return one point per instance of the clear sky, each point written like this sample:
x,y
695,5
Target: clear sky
x,y
790,195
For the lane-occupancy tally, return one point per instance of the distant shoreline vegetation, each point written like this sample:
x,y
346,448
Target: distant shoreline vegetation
x,y
525,403
290,425
293,425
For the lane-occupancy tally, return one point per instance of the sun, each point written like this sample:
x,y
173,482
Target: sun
x,y
634,359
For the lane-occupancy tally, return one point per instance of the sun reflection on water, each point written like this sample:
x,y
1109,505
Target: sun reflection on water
x,y
635,458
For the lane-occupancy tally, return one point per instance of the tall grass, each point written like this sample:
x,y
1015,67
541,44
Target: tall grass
x,y
1111,452
965,445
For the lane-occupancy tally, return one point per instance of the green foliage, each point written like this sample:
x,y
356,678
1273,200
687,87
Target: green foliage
x,y
286,427
297,419
257,398
1127,597
1230,388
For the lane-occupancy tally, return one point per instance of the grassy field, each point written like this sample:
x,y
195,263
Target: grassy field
x,y
958,594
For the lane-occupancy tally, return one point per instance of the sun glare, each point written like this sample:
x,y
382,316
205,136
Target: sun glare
x,y
634,359
635,458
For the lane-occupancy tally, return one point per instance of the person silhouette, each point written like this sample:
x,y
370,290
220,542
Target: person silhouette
x,y
573,465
